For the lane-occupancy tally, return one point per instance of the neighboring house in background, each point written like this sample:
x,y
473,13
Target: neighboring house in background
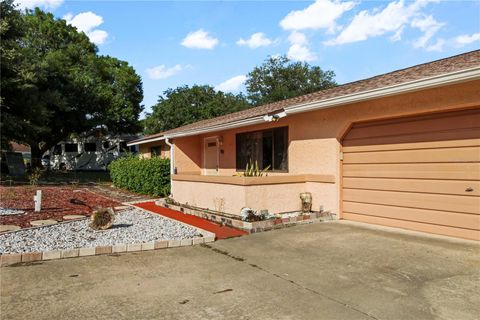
x,y
23,149
400,149
16,160
91,153
150,146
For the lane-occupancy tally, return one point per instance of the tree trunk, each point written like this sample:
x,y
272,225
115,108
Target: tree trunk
x,y
36,153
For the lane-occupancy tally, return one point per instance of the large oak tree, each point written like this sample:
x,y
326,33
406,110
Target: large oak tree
x,y
56,84
184,105
278,78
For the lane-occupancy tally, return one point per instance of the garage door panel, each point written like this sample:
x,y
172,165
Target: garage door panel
x,y
420,173
382,146
423,227
442,171
455,219
464,154
414,185
390,138
417,125
442,202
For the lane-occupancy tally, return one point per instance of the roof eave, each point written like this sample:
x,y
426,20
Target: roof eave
x,y
137,142
411,86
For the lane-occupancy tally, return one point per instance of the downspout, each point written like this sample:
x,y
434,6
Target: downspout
x,y
172,157
172,162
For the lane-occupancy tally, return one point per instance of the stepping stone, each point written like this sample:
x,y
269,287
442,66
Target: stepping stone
x,y
38,223
8,227
73,217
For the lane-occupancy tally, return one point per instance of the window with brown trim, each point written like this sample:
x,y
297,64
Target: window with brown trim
x,y
267,148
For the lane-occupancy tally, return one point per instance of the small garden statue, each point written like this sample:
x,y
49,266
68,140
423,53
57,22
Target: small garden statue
x,y
102,219
306,198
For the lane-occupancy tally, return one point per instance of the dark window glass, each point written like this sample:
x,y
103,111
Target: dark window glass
x,y
133,149
280,149
155,151
267,148
57,149
90,147
71,147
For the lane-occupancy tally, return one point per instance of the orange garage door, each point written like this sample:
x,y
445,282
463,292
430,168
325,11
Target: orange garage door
x,y
419,173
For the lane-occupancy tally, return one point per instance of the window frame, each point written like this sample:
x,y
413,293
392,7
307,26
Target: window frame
x,y
273,148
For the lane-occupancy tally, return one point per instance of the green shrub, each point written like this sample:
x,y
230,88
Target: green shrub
x,y
145,176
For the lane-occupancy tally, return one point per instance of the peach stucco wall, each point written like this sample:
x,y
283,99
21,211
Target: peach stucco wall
x,y
276,198
314,147
144,149
188,152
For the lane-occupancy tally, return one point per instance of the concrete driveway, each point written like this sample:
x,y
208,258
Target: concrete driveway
x,y
317,271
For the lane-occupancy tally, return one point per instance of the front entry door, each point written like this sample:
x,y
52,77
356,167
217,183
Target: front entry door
x,y
211,156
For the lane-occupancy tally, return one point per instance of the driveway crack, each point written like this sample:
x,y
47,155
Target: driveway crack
x,y
243,260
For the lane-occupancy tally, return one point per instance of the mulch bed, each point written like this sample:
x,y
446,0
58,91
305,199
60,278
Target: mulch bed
x,y
55,203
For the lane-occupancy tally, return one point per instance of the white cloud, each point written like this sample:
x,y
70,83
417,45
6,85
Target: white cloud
x,y
437,46
429,26
299,49
45,4
321,14
199,40
162,72
300,53
398,35
465,39
87,22
297,38
392,19
98,36
232,84
256,40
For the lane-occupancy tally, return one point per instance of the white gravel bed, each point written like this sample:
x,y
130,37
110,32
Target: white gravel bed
x,y
10,212
131,226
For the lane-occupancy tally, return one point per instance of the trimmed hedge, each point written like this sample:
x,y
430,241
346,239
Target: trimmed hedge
x,y
145,176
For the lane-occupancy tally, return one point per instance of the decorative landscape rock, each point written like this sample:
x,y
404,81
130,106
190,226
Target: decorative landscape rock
x,y
39,223
132,226
102,219
73,217
8,227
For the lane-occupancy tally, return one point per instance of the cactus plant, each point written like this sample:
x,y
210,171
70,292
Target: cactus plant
x,y
253,170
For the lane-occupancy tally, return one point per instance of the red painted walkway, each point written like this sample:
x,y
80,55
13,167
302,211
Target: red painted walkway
x,y
221,232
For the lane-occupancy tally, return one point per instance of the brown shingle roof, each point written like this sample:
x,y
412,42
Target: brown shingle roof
x,y
426,70
17,147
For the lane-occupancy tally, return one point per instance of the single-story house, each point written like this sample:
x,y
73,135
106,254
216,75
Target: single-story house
x,y
400,149
151,146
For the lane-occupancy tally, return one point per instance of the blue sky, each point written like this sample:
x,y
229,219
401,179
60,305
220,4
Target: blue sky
x,y
218,43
